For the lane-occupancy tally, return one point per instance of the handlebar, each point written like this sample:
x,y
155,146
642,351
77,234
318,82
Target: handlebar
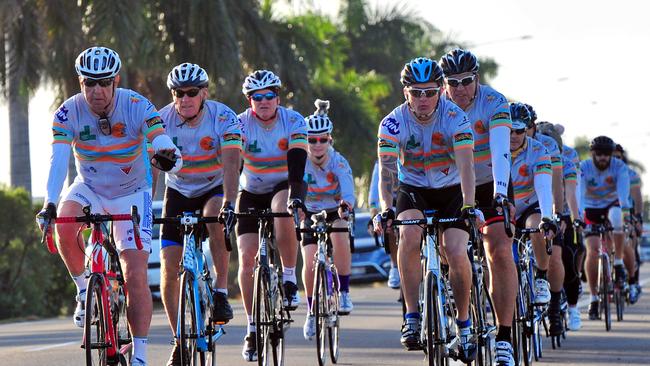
x,y
503,202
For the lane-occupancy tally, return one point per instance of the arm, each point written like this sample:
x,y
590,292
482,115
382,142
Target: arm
x,y
373,191
346,181
500,155
387,175
623,186
231,159
58,172
542,181
570,188
465,162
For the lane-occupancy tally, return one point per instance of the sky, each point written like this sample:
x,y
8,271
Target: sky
x,y
567,68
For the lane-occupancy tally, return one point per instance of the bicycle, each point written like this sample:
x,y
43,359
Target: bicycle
x,y
438,336
606,286
271,317
196,330
325,303
106,338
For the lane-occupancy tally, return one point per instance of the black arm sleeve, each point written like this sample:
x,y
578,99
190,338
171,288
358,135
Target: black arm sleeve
x,y
296,160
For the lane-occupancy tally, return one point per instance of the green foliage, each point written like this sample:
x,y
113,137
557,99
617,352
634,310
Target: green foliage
x,y
32,282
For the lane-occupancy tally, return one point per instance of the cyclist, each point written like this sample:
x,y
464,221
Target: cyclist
x,y
330,187
433,140
636,204
605,190
106,127
489,116
573,248
373,206
209,136
275,153
569,209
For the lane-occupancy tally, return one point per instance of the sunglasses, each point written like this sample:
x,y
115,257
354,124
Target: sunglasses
x,y
190,93
419,93
454,83
602,153
518,131
268,96
102,82
322,140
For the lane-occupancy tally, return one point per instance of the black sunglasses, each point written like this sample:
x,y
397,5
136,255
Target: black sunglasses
x,y
190,93
518,131
102,82
464,81
322,140
268,96
602,153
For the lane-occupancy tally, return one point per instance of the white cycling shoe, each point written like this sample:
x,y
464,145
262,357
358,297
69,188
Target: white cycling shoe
x,y
309,329
80,311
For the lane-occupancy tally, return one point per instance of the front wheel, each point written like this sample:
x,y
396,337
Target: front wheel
x,y
95,339
434,346
320,310
333,331
604,285
187,322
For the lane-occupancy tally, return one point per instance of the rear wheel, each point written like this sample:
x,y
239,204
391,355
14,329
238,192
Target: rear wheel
x,y
95,340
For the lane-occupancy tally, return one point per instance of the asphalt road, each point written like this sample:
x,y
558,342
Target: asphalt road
x,y
370,336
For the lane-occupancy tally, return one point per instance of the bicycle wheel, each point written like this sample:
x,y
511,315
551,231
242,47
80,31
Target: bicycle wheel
x,y
619,299
95,342
604,284
124,343
262,311
432,327
528,316
333,331
537,336
187,317
320,310
209,326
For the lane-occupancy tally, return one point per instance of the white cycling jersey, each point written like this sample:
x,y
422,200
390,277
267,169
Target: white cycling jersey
x,y
329,183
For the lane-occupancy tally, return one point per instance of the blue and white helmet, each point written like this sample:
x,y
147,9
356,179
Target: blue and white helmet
x,y
260,79
187,74
319,123
98,63
520,116
421,70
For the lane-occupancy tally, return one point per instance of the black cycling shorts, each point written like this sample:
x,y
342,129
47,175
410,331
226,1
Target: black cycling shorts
x,y
528,212
246,200
174,204
310,238
595,216
484,197
447,201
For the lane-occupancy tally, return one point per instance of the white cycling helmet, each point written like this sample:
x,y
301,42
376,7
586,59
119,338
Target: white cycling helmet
x,y
260,79
98,63
187,74
319,123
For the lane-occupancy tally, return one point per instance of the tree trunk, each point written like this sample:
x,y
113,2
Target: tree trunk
x,y
18,106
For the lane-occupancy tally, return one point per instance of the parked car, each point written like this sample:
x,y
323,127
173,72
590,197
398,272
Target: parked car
x,y
369,262
644,247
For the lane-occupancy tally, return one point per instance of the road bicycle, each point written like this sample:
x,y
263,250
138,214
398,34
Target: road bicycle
x,y
197,331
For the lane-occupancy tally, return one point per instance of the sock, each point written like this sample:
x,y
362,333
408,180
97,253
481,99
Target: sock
x,y
140,348
309,299
412,316
344,280
618,261
541,273
80,282
504,334
223,291
393,265
463,323
555,298
289,274
594,298
251,324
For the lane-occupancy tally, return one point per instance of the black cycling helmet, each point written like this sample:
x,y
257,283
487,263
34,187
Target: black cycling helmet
x,y
458,61
520,115
602,143
533,114
619,148
421,70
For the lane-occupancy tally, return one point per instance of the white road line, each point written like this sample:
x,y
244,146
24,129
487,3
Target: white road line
x,y
587,298
51,346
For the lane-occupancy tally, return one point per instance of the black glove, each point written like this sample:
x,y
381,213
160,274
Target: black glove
x,y
46,214
468,213
500,201
548,225
639,218
227,216
294,204
164,160
389,214
579,223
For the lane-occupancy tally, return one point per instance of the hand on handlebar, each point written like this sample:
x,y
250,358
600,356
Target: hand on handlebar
x,y
227,216
548,227
384,220
344,209
45,215
296,205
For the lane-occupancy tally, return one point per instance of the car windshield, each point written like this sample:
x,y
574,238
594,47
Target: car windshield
x,y
155,232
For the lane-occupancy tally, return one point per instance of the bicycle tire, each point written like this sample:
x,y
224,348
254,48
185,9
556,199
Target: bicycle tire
x,y
537,337
278,311
333,331
95,326
211,353
262,311
526,326
187,318
121,325
320,310
433,347
603,280
619,299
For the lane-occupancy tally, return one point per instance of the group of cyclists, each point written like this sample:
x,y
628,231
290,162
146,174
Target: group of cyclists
x,y
455,145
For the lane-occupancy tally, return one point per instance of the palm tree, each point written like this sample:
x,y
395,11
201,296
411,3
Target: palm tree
x,y
20,70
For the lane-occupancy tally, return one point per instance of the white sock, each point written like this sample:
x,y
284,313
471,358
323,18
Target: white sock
x,y
289,274
223,291
618,261
251,324
594,298
80,282
140,348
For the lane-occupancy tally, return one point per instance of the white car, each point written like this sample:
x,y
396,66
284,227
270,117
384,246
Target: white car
x,y
153,271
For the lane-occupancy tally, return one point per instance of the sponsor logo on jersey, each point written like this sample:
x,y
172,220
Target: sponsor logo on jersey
x,y
501,115
175,141
452,113
331,178
84,135
479,127
523,170
445,171
391,125
309,179
253,147
438,139
62,114
411,143
464,136
126,169
609,180
231,137
283,144
206,143
119,129
154,121
134,99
